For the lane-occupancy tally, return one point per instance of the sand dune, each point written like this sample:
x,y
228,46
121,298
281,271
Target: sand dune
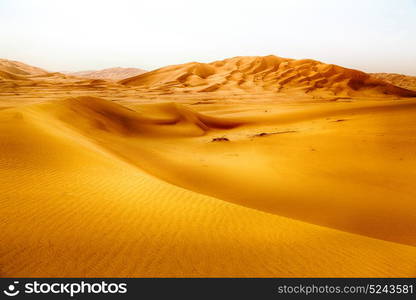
x,y
88,210
268,73
19,68
280,160
11,76
19,87
110,73
251,166
237,79
400,80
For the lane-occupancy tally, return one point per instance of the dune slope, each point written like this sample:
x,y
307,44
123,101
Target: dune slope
x,y
78,197
19,68
60,219
291,155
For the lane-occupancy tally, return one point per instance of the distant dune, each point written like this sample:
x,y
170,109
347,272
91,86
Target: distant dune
x,y
400,80
21,83
268,73
110,73
10,69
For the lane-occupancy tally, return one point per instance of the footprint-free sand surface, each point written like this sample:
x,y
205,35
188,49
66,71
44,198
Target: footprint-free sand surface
x,y
245,167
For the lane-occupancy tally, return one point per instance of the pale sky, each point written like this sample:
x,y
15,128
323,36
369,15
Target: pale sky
x,y
370,35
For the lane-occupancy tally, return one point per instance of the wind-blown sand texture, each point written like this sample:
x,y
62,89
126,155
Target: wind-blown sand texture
x,y
162,177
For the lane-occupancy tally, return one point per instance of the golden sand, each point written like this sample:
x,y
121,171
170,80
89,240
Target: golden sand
x,y
165,175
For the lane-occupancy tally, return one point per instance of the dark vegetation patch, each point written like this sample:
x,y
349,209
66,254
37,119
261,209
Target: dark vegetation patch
x,y
271,133
220,139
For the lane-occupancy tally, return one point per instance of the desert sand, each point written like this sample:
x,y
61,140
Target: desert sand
x,y
117,73
400,80
250,166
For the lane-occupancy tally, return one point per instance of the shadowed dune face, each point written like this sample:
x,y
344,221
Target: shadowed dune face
x,y
152,120
269,73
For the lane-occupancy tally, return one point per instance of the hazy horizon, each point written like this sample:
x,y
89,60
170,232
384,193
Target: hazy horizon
x,y
371,35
